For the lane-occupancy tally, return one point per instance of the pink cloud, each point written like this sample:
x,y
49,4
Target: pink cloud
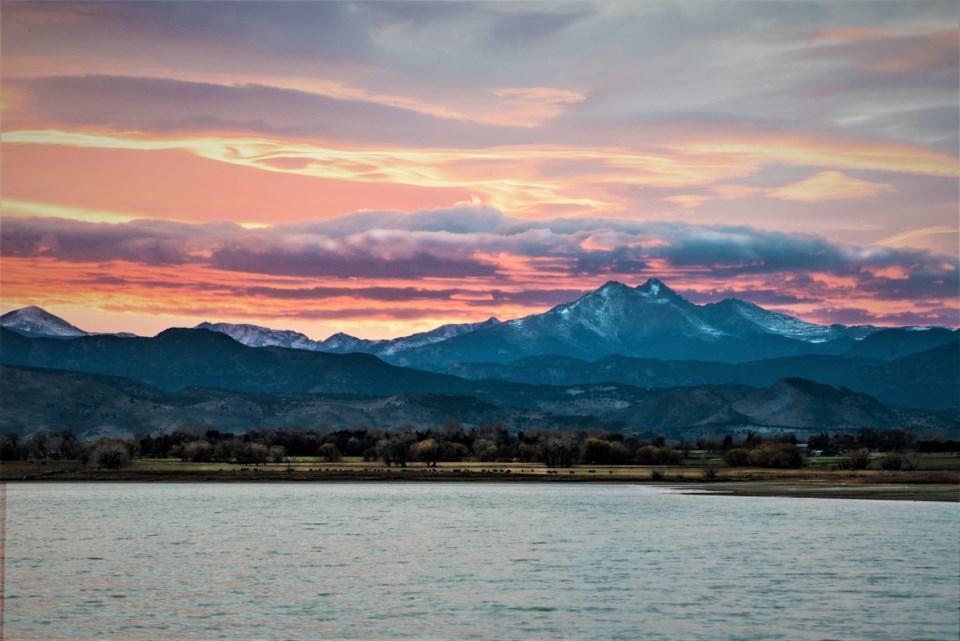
x,y
829,185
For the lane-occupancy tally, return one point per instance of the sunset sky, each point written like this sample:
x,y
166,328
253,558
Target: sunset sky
x,y
383,168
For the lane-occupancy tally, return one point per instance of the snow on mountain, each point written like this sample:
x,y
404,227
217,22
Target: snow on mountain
x,y
740,317
648,321
256,336
341,343
618,312
442,333
386,348
39,323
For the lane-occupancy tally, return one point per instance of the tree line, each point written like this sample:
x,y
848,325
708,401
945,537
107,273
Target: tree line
x,y
452,442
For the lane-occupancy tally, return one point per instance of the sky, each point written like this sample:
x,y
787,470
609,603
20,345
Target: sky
x,y
383,168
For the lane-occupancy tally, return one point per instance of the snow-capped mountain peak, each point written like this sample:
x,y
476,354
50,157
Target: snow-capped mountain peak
x,y
341,342
617,314
257,336
38,323
655,288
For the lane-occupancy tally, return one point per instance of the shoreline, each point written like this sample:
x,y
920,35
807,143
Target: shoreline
x,y
944,493
941,486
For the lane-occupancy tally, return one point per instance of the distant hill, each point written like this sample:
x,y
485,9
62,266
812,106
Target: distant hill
x,y
896,342
180,358
94,404
929,379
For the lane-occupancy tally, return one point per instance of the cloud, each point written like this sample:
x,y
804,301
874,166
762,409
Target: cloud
x,y
941,316
829,185
904,239
475,242
171,106
316,261
150,242
533,106
886,51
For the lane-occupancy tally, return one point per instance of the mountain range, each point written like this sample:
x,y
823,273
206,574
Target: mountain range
x,y
653,321
637,357
340,343
648,321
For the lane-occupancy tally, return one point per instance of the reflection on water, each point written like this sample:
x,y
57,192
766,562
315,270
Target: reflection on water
x,y
460,561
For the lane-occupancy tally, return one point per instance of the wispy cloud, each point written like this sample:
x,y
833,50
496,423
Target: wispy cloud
x,y
829,185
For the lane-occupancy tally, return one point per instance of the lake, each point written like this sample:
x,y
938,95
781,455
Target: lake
x,y
169,562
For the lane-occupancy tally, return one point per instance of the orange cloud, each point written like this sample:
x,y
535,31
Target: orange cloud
x,y
124,296
175,184
307,179
829,185
913,237
867,154
338,177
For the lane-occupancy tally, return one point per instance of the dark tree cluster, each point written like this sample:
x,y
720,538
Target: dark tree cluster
x,y
776,455
42,445
495,443
895,440
451,442
938,446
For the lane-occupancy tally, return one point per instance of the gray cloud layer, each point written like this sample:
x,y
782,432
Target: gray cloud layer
x,y
763,63
470,241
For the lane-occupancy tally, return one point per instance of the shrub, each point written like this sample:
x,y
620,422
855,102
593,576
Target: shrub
x,y
197,451
596,451
737,457
110,456
710,474
858,460
252,454
277,454
892,462
652,455
778,455
329,452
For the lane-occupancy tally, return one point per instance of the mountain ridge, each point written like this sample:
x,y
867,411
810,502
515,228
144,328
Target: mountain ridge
x,y
98,404
929,379
647,321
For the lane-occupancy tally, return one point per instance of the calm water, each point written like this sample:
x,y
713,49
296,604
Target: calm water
x,y
458,561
